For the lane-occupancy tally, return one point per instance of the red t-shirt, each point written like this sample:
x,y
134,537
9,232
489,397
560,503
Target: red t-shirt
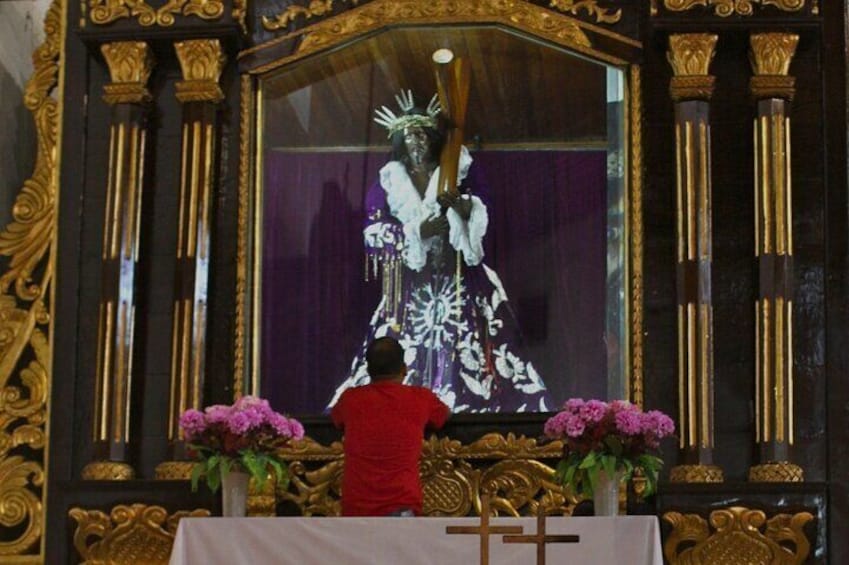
x,y
384,424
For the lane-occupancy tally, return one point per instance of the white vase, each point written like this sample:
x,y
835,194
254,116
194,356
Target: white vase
x,y
606,494
234,494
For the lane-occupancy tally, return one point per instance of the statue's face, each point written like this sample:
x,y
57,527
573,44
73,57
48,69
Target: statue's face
x,y
417,144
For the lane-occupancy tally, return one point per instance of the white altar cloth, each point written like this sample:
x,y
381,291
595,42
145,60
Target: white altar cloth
x,y
632,540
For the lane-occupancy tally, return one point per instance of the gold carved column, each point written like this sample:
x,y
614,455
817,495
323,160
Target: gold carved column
x,y
691,89
202,61
773,89
130,64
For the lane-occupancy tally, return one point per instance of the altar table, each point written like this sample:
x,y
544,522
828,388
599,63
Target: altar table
x,y
631,540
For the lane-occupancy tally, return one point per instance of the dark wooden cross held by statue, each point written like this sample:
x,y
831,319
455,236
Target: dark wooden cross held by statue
x,y
541,539
484,530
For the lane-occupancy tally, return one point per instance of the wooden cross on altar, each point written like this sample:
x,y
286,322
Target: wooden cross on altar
x,y
540,539
484,530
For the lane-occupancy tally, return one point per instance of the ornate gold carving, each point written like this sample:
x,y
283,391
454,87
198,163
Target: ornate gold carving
x,y
107,11
725,8
557,28
202,62
776,472
770,55
690,55
315,8
26,313
454,476
772,52
130,64
240,11
602,15
738,538
174,471
262,501
636,234
108,471
245,146
130,534
696,474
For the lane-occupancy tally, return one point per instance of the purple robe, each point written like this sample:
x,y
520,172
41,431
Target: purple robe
x,y
451,316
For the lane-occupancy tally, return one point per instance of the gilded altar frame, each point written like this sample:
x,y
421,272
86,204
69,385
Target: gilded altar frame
x,y
532,22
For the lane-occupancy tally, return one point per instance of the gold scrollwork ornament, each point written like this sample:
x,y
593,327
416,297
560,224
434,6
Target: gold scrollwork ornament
x,y
725,8
25,313
107,11
130,65
738,538
601,15
137,533
201,61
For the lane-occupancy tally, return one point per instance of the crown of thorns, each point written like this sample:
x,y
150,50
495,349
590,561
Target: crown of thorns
x,y
394,123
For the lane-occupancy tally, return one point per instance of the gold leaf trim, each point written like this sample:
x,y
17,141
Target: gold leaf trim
x,y
130,66
771,53
636,235
777,472
696,474
137,533
107,471
26,312
601,15
518,14
725,8
245,144
315,8
453,474
240,11
737,538
201,61
103,12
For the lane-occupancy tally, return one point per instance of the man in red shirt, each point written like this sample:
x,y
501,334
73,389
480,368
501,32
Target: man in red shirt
x,y
384,423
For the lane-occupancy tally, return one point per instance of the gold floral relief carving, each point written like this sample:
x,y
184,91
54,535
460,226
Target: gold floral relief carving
x,y
137,533
691,53
736,535
26,312
772,53
725,8
240,12
374,15
130,65
635,107
202,61
107,11
453,474
313,9
601,15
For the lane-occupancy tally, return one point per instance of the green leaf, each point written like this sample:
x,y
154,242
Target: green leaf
x,y
614,445
589,461
213,479
197,471
608,462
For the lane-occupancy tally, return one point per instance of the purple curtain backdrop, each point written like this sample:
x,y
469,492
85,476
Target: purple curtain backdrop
x,y
546,240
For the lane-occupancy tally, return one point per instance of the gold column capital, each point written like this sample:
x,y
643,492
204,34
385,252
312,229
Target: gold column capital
x,y
130,65
202,61
770,56
690,55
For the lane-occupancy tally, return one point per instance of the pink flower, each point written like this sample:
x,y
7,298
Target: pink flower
x,y
250,401
239,423
573,404
623,406
574,426
297,429
593,411
555,426
629,422
193,423
217,413
281,425
658,424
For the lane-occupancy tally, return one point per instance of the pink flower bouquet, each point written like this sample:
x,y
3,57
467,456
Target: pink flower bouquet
x,y
615,437
246,435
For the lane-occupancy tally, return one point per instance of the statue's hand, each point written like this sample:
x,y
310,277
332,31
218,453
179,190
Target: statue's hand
x,y
433,226
462,204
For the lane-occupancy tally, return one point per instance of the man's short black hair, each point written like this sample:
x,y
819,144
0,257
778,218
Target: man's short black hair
x,y
385,358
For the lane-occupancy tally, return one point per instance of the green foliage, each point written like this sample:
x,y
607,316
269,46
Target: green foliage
x,y
213,465
580,473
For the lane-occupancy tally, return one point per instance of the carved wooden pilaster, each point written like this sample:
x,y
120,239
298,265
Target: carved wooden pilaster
x,y
130,65
773,89
201,61
691,89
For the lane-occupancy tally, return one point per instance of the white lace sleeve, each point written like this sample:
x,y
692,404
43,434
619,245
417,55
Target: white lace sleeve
x,y
415,252
468,236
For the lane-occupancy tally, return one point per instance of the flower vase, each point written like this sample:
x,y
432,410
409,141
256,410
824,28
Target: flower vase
x,y
606,494
234,494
